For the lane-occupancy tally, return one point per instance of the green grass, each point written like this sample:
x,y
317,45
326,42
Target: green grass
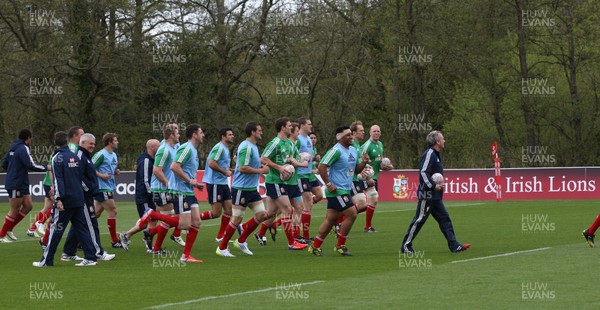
x,y
376,277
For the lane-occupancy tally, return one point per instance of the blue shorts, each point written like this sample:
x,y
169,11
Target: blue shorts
x,y
218,193
294,190
103,196
243,198
184,204
17,193
358,187
162,199
308,185
274,191
47,191
339,203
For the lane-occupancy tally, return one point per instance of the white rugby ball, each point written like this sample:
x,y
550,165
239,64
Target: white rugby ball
x,y
290,172
438,178
385,162
366,173
305,156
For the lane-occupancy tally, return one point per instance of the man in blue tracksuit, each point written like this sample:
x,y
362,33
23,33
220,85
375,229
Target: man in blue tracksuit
x,y
430,197
69,204
86,146
16,163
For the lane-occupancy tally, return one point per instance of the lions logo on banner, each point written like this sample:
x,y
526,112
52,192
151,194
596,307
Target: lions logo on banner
x,y
401,187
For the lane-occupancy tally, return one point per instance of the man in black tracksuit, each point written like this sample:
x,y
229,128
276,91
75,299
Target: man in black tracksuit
x,y
69,204
90,186
430,197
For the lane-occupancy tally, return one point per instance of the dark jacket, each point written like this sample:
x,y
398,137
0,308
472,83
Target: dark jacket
x,y
431,163
16,163
68,174
143,174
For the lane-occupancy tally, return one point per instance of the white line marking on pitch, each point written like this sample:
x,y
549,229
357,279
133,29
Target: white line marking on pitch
x,y
226,296
499,255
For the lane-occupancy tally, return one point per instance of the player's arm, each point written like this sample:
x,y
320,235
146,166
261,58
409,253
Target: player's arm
x,y
160,160
97,160
25,157
424,171
213,163
147,175
245,157
330,157
362,162
59,182
177,166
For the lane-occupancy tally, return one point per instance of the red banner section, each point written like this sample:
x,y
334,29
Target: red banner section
x,y
479,184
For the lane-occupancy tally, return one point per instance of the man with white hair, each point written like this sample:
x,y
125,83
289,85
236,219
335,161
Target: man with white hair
x,y
430,196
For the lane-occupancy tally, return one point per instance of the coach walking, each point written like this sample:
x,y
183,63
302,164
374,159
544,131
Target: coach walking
x,y
430,196
69,204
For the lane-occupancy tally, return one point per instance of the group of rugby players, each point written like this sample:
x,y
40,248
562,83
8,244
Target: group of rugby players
x,y
80,186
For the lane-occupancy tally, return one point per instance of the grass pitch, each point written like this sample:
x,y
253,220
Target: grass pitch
x,y
524,255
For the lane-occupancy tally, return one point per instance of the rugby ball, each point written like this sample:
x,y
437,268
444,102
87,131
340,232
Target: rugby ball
x,y
305,156
438,178
366,173
385,162
289,172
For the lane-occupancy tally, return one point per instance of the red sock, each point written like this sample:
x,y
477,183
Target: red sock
x,y
318,242
306,224
46,234
46,215
190,238
177,232
112,228
591,230
154,230
277,223
249,227
38,218
263,229
341,219
160,236
370,212
173,221
341,240
287,228
229,231
18,219
224,222
296,229
206,215
8,220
